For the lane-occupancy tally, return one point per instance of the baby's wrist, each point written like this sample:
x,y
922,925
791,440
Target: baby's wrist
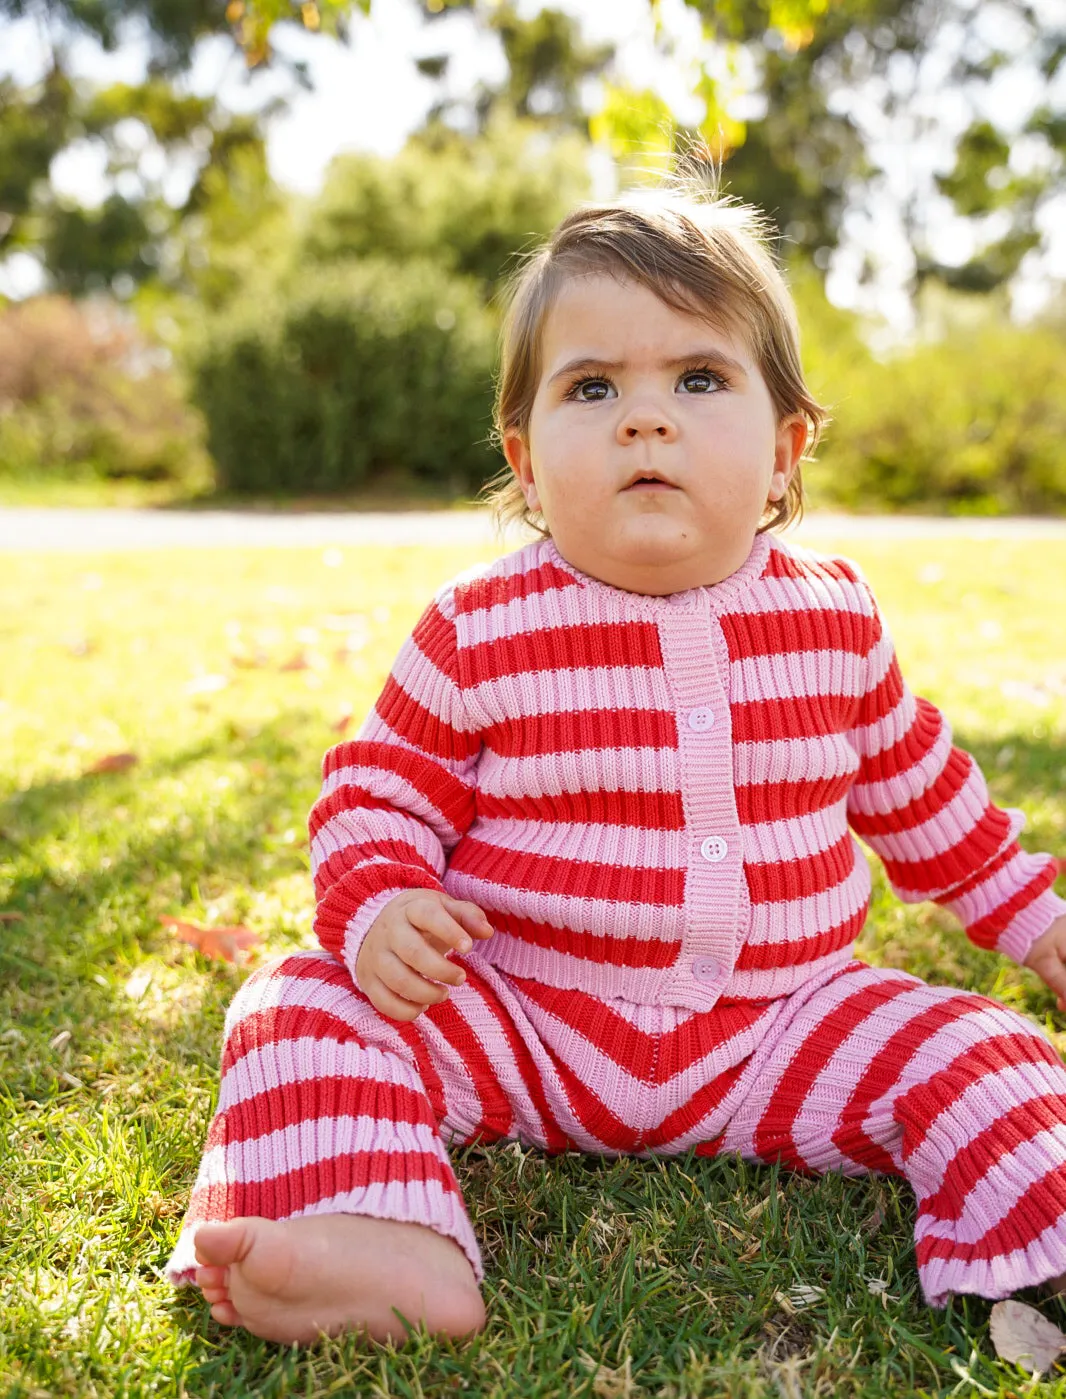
x,y
1027,927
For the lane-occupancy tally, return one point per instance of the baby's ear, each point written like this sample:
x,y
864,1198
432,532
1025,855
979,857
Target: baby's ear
x,y
791,441
516,450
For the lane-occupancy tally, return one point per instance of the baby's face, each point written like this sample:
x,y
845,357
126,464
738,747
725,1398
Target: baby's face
x,y
653,445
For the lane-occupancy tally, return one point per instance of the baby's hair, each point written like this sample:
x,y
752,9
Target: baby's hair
x,y
703,254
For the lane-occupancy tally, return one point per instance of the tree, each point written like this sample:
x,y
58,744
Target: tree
x,y
805,157
135,235
800,152
466,204
547,63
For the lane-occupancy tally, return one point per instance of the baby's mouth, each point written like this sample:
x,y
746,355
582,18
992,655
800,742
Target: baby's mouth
x,y
650,483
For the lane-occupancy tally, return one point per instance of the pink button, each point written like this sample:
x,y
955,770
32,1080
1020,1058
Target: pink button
x,y
701,719
706,969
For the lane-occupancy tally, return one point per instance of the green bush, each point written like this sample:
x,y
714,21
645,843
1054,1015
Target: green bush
x,y
971,422
363,370
467,205
82,394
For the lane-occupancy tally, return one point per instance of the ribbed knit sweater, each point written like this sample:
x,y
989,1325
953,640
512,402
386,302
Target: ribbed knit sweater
x,y
657,798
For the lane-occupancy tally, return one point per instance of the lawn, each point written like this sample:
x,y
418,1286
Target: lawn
x,y
227,675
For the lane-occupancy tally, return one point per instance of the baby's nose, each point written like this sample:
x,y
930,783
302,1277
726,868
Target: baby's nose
x,y
645,422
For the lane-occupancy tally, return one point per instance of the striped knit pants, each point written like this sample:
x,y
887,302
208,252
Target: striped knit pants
x,y
326,1106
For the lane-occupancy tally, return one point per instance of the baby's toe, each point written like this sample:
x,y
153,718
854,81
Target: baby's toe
x,y
212,1277
225,1313
215,1294
219,1244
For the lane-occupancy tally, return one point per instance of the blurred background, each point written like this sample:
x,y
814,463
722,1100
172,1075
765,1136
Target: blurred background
x,y
252,250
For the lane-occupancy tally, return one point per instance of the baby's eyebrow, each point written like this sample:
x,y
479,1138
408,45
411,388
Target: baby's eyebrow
x,y
589,364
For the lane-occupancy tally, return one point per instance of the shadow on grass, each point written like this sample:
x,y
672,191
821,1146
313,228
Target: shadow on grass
x,y
159,834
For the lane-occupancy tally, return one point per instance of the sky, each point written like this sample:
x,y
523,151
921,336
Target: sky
x,y
369,96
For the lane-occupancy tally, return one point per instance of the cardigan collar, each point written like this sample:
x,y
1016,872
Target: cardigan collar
x,y
715,597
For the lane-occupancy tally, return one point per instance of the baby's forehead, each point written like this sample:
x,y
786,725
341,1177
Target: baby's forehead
x,y
615,317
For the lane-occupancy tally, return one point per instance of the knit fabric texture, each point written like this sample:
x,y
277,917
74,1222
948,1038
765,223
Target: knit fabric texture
x,y
328,1106
657,798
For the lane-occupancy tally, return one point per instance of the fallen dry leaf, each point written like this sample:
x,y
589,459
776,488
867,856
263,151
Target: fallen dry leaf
x,y
608,1383
1024,1336
803,1296
249,660
343,719
114,762
298,661
223,944
12,918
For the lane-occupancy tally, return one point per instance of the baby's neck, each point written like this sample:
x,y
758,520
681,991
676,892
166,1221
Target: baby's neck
x,y
658,579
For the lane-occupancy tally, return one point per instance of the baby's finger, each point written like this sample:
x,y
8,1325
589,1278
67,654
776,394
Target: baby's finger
x,y
430,917
402,981
470,916
413,948
396,1007
1051,971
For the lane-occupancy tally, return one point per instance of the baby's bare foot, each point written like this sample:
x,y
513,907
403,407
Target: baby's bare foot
x,y
293,1279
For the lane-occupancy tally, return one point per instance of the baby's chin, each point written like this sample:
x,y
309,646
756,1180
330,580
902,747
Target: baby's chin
x,y
650,565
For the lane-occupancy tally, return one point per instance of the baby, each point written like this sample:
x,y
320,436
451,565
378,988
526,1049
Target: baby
x,y
586,879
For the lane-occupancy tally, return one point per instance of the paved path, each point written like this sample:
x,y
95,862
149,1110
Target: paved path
x,y
73,530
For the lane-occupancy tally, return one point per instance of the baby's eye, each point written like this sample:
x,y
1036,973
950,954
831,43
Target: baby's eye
x,y
590,390
700,381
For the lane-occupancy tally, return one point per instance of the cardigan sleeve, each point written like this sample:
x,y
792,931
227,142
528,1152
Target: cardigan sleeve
x,y
923,806
396,799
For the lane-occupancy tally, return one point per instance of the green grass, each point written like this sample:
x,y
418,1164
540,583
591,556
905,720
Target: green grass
x,y
198,491
670,1278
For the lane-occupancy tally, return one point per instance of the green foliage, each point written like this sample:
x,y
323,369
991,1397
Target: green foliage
x,y
368,352
136,236
89,250
169,115
469,206
80,396
362,369
637,127
973,422
171,26
34,128
548,63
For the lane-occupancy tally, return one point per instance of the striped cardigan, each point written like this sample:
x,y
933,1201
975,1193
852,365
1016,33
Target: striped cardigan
x,y
650,797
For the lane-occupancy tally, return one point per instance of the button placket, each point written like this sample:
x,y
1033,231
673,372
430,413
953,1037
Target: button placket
x,y
697,663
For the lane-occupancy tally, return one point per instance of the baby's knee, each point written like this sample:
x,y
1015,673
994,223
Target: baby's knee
x,y
298,977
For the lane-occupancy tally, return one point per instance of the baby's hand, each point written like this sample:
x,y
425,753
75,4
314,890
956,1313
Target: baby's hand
x,y
408,942
1047,957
